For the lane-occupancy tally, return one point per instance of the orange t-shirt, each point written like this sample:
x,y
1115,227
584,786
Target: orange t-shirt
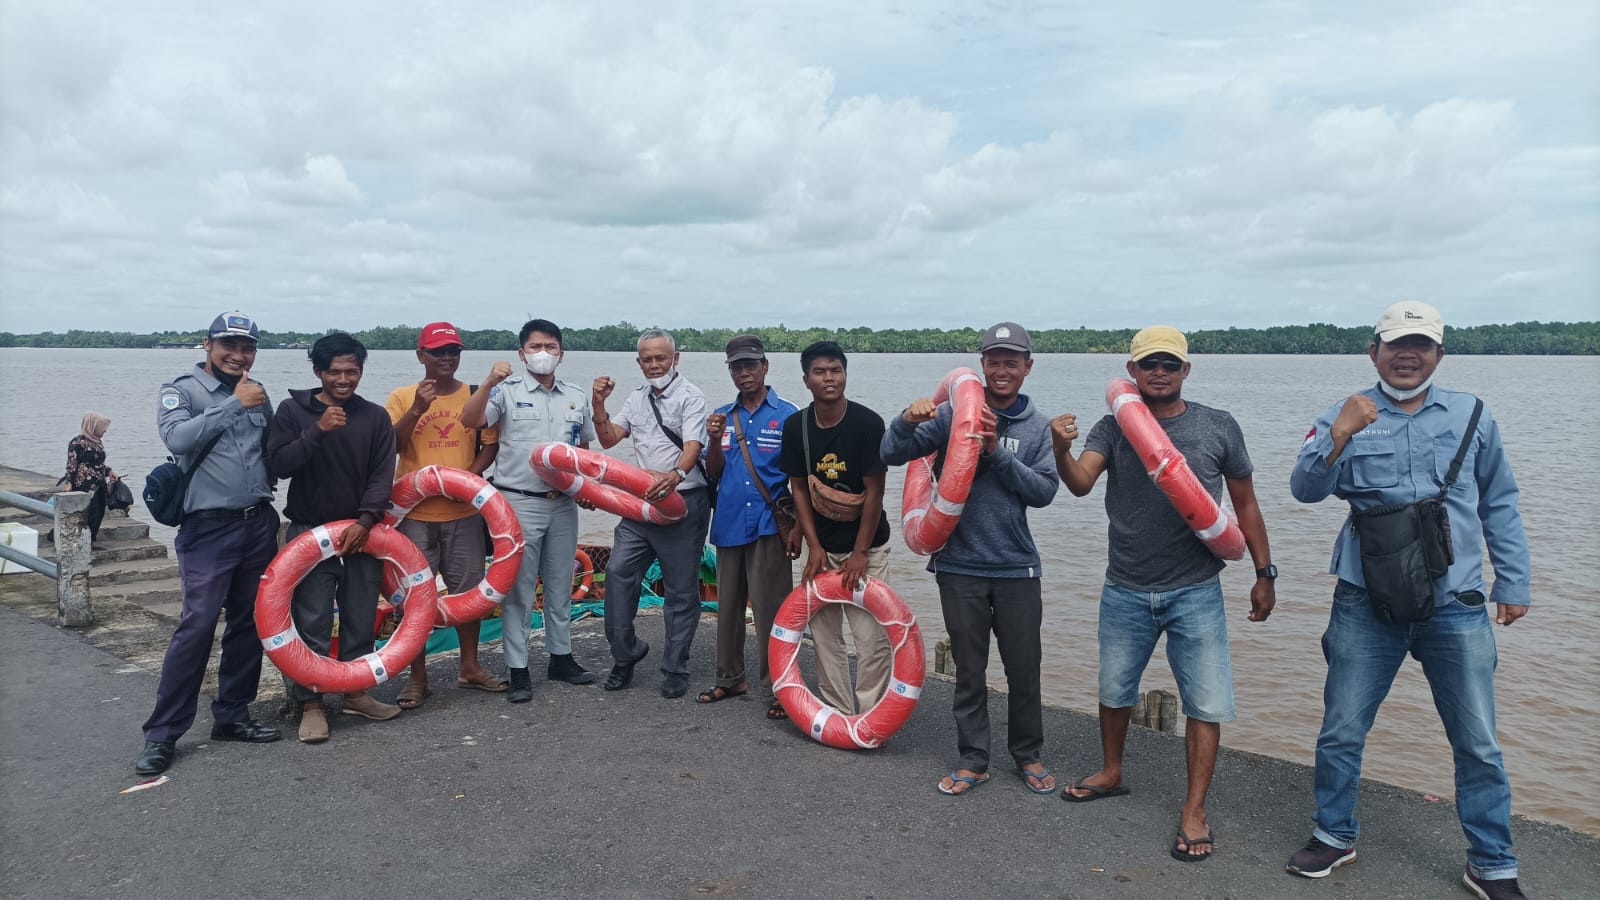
x,y
438,440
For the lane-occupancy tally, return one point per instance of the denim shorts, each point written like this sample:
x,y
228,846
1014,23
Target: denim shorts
x,y
1197,646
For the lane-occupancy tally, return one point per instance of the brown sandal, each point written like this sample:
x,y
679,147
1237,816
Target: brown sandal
x,y
719,693
411,696
776,711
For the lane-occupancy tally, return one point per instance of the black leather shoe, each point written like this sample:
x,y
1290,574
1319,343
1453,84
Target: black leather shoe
x,y
674,686
622,673
156,758
565,668
521,689
250,731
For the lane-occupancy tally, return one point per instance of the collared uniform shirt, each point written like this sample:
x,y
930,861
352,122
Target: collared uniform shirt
x,y
742,515
683,409
193,408
527,415
1403,458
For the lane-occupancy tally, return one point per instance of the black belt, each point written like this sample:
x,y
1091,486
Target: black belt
x,y
543,495
249,512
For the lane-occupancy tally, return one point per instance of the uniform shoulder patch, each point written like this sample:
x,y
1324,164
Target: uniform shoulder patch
x,y
170,398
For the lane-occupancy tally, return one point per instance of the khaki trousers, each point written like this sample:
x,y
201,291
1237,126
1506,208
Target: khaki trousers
x,y
874,659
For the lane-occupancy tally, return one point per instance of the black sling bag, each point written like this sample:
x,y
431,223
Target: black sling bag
x,y
1405,546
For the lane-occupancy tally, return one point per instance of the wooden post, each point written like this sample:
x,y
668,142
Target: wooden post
x,y
73,555
942,664
1157,710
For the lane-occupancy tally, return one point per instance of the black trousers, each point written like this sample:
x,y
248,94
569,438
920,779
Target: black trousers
x,y
1012,609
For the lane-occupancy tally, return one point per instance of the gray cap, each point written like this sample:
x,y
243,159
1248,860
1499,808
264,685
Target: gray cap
x,y
1006,336
235,324
745,346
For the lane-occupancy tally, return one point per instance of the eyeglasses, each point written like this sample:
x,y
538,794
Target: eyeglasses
x,y
1149,364
443,351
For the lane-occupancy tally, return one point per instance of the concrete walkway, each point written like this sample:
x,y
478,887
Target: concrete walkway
x,y
583,793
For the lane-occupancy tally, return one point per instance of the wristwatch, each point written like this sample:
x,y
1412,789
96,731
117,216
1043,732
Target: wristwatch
x,y
1267,572
682,475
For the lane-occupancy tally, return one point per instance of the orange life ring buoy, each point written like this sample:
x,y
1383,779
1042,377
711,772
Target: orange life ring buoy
x,y
1171,472
282,641
504,530
606,483
583,576
822,722
930,507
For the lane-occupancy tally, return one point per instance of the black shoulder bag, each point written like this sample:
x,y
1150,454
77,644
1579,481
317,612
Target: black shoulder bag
x,y
168,484
1405,546
711,486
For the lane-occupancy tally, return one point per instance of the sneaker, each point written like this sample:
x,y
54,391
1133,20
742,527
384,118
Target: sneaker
x,y
313,724
1493,888
363,705
1316,859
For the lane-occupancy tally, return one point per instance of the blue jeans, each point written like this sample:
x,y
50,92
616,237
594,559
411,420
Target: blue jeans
x,y
1197,646
1457,652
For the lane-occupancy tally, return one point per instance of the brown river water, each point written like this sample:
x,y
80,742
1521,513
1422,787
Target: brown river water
x,y
1549,676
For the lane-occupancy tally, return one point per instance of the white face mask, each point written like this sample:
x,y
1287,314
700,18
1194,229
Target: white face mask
x,y
660,383
542,363
1397,394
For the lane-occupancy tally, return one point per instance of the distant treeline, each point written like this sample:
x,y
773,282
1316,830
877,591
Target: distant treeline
x,y
1521,338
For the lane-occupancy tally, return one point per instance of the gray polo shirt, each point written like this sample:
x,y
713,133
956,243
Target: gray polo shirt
x,y
193,408
528,415
683,409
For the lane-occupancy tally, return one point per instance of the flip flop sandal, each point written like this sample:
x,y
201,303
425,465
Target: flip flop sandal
x,y
970,781
1191,843
776,711
718,694
1035,780
1095,793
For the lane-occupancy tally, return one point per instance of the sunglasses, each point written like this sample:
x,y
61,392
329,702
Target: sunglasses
x,y
443,351
1166,365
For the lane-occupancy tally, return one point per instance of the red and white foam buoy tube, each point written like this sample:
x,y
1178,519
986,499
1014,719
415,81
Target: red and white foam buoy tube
x,y
606,483
822,722
582,576
1171,472
929,508
282,641
505,531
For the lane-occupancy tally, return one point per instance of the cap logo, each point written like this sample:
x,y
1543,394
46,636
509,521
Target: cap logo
x,y
1411,315
1002,333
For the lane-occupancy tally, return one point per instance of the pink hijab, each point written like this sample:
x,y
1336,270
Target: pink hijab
x,y
94,427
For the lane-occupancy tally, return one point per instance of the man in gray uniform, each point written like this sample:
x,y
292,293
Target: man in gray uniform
x,y
229,535
666,418
532,409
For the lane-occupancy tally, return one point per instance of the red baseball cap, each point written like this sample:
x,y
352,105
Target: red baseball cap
x,y
439,334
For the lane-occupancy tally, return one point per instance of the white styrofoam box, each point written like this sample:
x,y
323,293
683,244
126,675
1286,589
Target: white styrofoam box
x,y
18,537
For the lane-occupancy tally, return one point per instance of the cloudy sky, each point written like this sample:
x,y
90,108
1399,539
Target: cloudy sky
x,y
827,162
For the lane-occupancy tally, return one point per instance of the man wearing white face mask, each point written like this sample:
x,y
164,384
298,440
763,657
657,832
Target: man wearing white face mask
x,y
666,417
532,409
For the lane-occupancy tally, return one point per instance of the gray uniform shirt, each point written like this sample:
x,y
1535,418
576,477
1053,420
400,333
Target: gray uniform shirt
x,y
683,409
529,415
193,408
1151,547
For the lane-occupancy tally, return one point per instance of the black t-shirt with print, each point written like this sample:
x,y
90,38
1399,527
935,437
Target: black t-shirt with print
x,y
842,456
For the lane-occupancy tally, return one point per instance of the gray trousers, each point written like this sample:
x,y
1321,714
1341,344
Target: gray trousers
x,y
679,546
1013,609
758,575
353,582
549,544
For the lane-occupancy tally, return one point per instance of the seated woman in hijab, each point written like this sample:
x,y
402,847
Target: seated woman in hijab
x,y
87,470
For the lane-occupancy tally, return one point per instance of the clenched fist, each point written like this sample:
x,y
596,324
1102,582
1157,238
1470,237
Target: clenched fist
x,y
332,419
1358,412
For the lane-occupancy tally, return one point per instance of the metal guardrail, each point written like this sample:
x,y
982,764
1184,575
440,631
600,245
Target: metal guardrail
x,y
73,553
